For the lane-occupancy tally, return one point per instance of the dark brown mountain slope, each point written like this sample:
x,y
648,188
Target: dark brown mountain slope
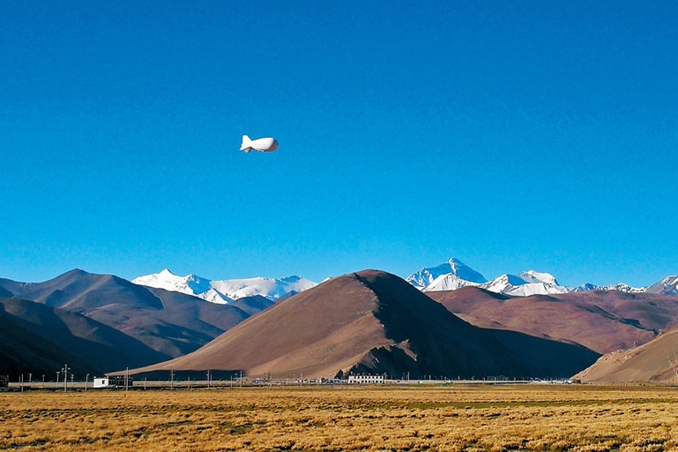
x,y
254,304
40,339
169,322
4,293
601,321
376,322
184,323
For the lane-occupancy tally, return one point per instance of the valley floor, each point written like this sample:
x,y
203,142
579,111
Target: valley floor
x,y
455,418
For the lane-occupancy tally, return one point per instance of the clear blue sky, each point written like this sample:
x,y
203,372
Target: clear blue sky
x,y
511,135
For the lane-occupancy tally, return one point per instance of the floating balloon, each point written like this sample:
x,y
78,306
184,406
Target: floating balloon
x,y
260,144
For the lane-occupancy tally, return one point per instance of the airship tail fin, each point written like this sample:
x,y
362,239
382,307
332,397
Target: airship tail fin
x,y
246,144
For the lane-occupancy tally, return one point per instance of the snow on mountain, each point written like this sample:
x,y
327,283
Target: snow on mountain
x,y
266,287
225,291
189,284
584,288
454,274
668,286
525,284
426,276
448,282
451,275
214,296
619,287
532,276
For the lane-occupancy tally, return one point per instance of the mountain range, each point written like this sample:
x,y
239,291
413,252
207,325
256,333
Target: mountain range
x,y
451,275
226,291
454,274
369,321
166,323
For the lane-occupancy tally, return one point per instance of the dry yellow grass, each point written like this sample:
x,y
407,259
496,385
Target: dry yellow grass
x,y
543,418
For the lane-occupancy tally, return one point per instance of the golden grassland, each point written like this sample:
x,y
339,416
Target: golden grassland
x,y
453,418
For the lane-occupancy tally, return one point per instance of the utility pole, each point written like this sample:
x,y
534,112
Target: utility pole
x,y
65,370
171,380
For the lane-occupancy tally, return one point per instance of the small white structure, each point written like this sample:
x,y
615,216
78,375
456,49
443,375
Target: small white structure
x,y
366,379
102,382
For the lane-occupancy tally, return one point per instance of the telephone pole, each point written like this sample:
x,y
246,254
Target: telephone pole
x,y
65,371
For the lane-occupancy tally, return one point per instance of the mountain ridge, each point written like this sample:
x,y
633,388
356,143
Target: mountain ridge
x,y
603,321
525,283
451,275
169,322
226,291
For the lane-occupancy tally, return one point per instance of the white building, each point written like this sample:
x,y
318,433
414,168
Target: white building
x,y
102,382
366,379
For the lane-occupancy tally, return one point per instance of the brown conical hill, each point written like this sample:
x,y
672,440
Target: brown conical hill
x,y
318,332
375,322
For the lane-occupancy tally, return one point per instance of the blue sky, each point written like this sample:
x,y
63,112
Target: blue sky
x,y
511,135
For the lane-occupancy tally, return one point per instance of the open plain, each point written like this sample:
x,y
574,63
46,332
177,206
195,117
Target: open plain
x,y
411,418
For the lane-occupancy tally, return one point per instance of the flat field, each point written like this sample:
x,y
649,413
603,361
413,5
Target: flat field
x,y
454,418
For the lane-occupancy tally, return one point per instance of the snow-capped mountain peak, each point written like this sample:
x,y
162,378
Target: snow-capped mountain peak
x,y
448,282
532,276
525,284
266,287
668,285
189,284
426,276
225,291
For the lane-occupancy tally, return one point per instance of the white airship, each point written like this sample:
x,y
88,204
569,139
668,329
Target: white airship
x,y
260,144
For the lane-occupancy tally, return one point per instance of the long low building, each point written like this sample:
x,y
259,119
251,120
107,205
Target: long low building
x,y
365,379
112,382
